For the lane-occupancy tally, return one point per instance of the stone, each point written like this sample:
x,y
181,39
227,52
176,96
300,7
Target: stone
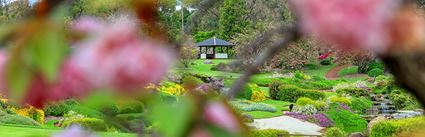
x,y
207,61
247,118
356,134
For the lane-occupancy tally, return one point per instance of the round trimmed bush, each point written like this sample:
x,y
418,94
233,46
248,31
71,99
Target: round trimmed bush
x,y
335,132
375,72
59,108
246,93
269,133
326,62
274,89
19,120
132,106
355,92
303,101
90,123
291,93
343,100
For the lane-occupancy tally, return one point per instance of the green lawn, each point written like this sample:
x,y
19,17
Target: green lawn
x,y
280,106
23,131
200,67
321,71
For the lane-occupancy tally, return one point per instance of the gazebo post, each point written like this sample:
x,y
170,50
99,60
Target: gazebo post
x,y
214,52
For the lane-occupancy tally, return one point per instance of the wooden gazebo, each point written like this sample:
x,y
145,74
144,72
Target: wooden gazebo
x,y
214,48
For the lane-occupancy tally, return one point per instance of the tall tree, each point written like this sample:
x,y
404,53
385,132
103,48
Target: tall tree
x,y
233,18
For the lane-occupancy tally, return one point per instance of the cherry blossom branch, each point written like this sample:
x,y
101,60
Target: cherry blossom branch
x,y
288,35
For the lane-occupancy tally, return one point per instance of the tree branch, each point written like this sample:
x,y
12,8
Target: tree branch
x,y
288,35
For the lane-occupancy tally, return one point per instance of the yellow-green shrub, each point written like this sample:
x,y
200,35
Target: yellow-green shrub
x,y
172,88
337,99
258,96
269,133
398,127
91,123
31,112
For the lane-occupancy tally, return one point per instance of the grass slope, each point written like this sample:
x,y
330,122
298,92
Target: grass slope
x,y
23,131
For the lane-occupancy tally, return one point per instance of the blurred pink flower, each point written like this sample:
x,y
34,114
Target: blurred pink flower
x,y
3,61
74,131
348,24
119,58
219,114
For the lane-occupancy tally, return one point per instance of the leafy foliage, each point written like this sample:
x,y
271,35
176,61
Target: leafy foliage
x,y
375,72
91,123
397,127
355,92
203,35
291,93
269,133
361,105
346,120
232,18
335,132
59,108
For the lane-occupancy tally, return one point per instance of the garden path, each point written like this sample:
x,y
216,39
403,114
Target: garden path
x,y
292,125
333,73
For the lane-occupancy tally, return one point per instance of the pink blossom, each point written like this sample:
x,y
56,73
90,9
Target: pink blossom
x,y
217,113
3,61
348,24
119,58
324,56
74,131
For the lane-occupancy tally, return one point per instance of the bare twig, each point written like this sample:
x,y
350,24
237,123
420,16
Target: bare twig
x,y
288,35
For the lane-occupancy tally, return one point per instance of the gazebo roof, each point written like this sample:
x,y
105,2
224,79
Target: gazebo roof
x,y
214,42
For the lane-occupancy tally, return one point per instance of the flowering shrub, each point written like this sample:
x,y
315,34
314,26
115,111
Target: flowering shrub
x,y
307,109
172,88
319,118
360,24
258,96
31,112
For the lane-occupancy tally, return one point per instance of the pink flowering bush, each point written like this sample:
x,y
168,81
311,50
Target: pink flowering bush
x,y
116,58
359,24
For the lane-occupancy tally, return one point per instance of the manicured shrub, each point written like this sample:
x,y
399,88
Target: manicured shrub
x,y
355,92
326,62
129,116
348,71
191,80
90,123
291,93
361,105
130,106
258,96
269,133
335,132
248,106
303,101
87,111
384,129
401,99
172,88
19,120
375,65
375,72
59,108
274,89
340,99
247,92
345,119
31,112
